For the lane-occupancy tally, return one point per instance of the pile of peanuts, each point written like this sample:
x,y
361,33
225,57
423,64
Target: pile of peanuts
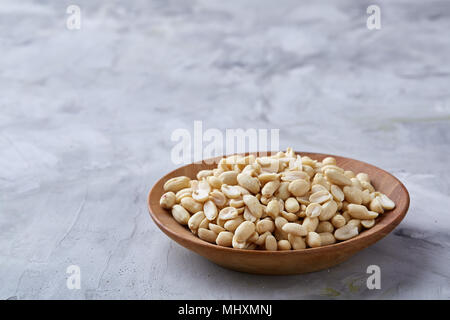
x,y
278,202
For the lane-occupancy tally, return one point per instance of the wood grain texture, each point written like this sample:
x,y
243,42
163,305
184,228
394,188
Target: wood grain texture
x,y
285,262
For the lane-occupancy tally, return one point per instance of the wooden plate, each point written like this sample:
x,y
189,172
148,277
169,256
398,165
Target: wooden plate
x,y
293,261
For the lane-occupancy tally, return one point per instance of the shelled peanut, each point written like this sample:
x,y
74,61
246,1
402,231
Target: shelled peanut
x,y
278,202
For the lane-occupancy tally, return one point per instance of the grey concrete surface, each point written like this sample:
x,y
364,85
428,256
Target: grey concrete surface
x,y
86,118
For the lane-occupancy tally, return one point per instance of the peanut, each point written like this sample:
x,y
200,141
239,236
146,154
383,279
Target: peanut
x,y
168,200
278,202
299,187
180,214
346,232
248,182
191,205
207,235
313,240
176,184
336,177
360,212
295,228
224,239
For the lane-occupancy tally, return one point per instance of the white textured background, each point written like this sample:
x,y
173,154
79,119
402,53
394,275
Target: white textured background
x,y
86,116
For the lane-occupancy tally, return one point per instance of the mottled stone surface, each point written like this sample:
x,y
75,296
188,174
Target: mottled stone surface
x,y
86,118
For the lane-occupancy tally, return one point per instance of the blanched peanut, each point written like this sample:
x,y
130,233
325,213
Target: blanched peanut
x,y
295,228
273,209
320,197
299,187
229,177
308,161
207,235
313,240
231,192
367,185
284,245
248,182
214,182
204,174
200,195
191,205
366,197
266,177
353,194
368,223
269,188
180,214
249,216
346,232
265,225
360,212
176,184
329,160
289,216
168,200
237,203
297,243
271,243
291,205
231,225
338,221
310,223
337,193
216,228
313,210
280,222
195,220
186,192
253,205
324,226
218,198
224,239
375,205
326,238
328,210
294,175
336,177
387,203
228,213
363,177
244,231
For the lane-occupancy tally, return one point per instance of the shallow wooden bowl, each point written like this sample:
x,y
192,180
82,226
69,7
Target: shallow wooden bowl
x,y
293,261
